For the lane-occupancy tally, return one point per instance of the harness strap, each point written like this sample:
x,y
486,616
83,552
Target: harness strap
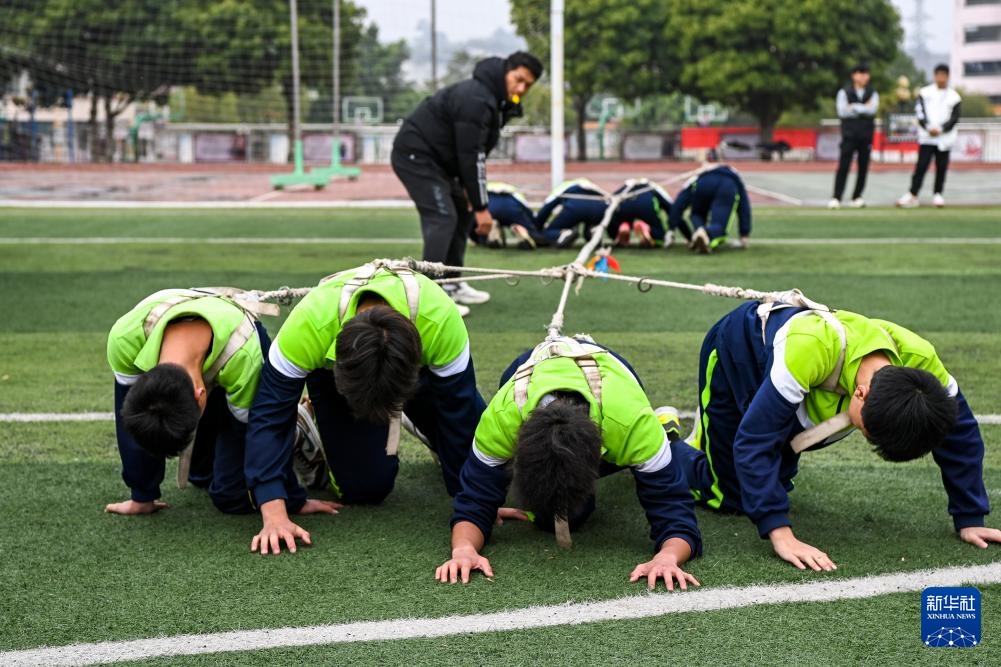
x,y
766,309
233,295
365,274
565,347
184,465
237,339
822,431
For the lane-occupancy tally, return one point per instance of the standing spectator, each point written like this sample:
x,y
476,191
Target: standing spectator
x,y
441,151
857,105
937,110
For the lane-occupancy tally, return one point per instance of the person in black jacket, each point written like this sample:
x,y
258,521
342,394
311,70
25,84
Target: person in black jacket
x,y
440,156
857,105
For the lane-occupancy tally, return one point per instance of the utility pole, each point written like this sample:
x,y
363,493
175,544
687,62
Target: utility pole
x,y
434,46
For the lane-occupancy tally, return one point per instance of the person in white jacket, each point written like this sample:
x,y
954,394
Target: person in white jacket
x,y
937,112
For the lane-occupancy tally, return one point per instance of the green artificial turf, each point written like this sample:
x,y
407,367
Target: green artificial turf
x,y
71,573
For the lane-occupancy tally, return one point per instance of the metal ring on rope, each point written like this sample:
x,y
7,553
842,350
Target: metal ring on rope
x,y
513,281
643,285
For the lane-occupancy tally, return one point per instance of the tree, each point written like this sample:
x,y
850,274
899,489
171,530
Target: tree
x,y
117,54
378,72
767,56
614,46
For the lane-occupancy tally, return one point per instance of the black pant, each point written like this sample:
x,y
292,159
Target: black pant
x,y
850,146
925,153
441,202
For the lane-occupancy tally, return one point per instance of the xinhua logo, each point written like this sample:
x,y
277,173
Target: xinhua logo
x,y
950,617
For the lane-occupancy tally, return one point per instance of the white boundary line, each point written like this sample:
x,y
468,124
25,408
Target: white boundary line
x,y
48,417
308,240
826,589
211,240
235,203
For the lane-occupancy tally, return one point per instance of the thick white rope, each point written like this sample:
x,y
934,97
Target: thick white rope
x,y
575,271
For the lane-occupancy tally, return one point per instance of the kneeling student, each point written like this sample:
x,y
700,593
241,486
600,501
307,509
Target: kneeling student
x,y
568,412
776,380
187,365
372,345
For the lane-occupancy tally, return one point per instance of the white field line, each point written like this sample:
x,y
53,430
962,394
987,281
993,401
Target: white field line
x,y
327,240
46,417
774,195
331,203
213,240
824,589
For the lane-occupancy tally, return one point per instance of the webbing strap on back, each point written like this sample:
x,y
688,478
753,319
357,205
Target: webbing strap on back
x,y
365,274
411,287
822,431
568,348
232,295
839,422
236,341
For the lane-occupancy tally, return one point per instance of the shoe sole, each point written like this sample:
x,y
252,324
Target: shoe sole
x,y
622,238
526,241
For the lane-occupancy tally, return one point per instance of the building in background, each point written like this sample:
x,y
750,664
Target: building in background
x,y
976,48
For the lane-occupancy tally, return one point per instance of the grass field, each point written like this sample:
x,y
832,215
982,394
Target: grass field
x,y
73,574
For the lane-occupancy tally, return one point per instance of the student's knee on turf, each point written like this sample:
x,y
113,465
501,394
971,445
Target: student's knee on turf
x,y
366,493
229,503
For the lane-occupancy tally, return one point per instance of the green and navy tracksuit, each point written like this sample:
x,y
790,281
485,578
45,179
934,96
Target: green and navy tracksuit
x,y
509,207
716,196
567,212
652,206
632,438
756,392
445,408
219,441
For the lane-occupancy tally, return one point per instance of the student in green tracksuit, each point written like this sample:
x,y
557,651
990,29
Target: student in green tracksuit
x,y
187,365
776,380
371,344
567,413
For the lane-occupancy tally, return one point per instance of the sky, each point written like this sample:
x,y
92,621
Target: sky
x,y
938,25
465,19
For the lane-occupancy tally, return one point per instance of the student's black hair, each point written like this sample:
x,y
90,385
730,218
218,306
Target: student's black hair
x,y
526,60
378,361
907,413
557,459
160,410
941,67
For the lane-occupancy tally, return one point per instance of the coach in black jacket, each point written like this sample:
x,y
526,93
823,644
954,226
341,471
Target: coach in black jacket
x,y
441,149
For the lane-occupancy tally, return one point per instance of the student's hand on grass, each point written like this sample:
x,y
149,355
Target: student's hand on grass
x,y
979,536
663,566
510,513
313,506
462,562
800,554
134,507
277,528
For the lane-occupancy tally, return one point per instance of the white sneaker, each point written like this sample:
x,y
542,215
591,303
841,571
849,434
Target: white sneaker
x,y
668,239
938,200
858,202
908,201
700,242
463,310
833,204
463,293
